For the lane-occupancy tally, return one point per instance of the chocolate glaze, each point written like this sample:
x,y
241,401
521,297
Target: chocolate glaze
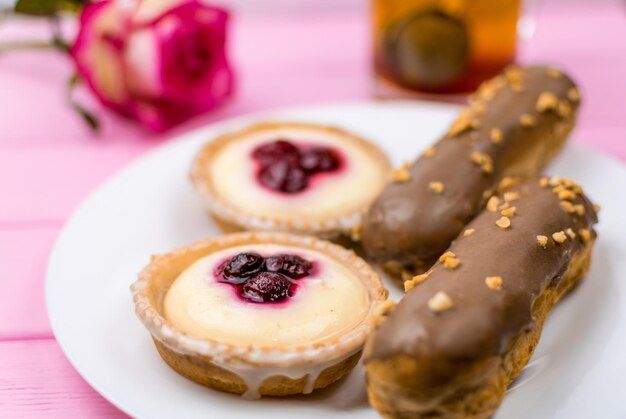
x,y
410,225
483,321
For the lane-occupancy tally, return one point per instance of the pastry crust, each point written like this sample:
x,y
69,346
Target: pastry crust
x,y
252,370
203,371
459,362
490,146
234,219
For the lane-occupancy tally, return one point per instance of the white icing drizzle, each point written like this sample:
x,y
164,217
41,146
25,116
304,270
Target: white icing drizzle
x,y
254,377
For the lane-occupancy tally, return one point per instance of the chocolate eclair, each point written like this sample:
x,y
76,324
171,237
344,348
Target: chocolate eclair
x,y
514,124
466,328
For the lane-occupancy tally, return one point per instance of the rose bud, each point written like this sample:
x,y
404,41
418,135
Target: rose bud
x,y
160,62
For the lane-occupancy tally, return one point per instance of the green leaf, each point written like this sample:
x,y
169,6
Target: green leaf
x,y
72,82
57,34
46,7
87,116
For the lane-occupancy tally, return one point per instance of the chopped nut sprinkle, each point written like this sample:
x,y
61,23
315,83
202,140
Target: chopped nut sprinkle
x,y
503,222
487,193
440,302
555,181
355,232
580,209
567,206
506,183
510,196
493,203
468,232
567,195
513,74
584,234
547,101
483,160
446,255
451,263
559,237
478,108
505,205
406,275
414,281
570,233
496,135
573,94
543,182
527,120
564,109
597,208
542,240
554,72
494,282
402,174
509,212
487,90
436,187
429,152
463,123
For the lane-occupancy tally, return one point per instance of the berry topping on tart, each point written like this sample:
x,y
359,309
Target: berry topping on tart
x,y
280,150
319,159
293,266
263,279
241,267
286,167
266,287
283,176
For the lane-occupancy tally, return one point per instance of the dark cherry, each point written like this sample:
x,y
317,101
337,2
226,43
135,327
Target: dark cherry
x,y
293,266
284,176
266,287
242,266
286,168
319,159
279,150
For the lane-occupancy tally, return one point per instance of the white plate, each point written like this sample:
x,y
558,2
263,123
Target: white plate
x,y
578,370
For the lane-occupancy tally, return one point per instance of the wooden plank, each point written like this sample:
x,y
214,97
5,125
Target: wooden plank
x,y
47,184
23,258
36,381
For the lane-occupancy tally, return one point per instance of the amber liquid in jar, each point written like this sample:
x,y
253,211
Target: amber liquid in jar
x,y
442,46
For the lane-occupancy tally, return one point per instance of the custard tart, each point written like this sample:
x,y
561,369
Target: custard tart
x,y
260,313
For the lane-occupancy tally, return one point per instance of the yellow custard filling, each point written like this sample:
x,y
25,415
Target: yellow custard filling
x,y
326,304
346,191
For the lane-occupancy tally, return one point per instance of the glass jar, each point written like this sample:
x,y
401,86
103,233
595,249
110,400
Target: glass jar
x,y
441,46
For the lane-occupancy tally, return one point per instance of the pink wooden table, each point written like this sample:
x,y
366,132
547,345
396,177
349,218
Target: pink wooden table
x,y
49,161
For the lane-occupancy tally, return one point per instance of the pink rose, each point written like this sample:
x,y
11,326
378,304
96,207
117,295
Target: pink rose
x,y
159,61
